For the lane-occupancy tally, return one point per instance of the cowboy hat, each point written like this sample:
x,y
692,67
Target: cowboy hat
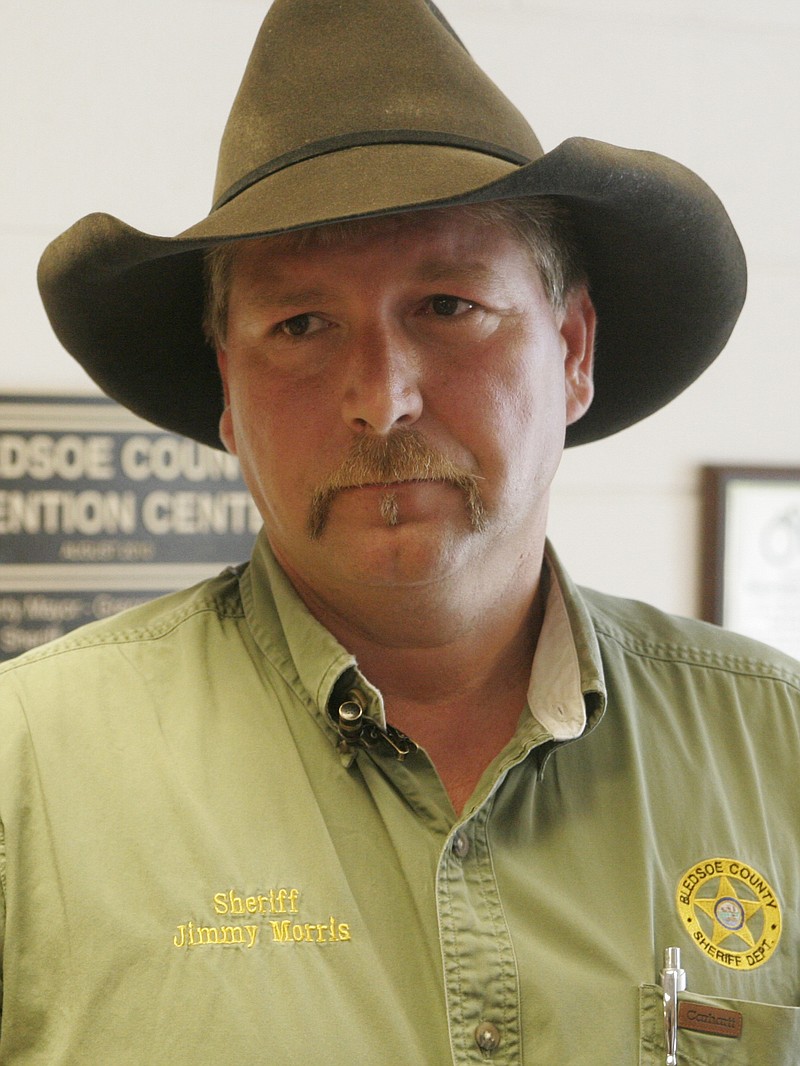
x,y
369,107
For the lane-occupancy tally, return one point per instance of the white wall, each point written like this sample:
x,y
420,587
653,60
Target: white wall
x,y
119,107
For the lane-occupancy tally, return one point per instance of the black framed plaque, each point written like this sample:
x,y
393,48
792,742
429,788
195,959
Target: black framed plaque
x,y
100,511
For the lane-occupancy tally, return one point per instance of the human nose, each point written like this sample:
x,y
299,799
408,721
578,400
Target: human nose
x,y
382,390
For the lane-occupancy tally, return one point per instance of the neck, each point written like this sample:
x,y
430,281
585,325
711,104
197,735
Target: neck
x,y
453,663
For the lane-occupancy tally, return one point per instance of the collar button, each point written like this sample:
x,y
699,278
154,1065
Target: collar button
x,y
460,845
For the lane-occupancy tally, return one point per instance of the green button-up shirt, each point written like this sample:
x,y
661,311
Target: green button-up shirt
x,y
195,872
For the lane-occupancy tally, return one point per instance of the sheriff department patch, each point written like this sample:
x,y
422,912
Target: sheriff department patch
x,y
731,912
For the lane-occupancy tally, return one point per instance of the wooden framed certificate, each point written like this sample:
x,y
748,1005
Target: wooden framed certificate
x,y
751,552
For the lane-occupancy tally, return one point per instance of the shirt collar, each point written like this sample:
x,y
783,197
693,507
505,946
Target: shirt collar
x,y
555,698
567,690
299,646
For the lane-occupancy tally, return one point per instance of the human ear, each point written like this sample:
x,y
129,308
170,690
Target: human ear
x,y
577,330
226,434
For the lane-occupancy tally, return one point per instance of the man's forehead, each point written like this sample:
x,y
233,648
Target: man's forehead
x,y
439,230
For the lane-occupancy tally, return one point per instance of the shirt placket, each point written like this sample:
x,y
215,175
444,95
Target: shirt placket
x,y
480,972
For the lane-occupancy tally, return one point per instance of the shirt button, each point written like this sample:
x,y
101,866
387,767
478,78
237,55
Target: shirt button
x,y
460,844
487,1036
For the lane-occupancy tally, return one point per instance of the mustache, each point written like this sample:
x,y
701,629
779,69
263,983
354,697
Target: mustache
x,y
404,455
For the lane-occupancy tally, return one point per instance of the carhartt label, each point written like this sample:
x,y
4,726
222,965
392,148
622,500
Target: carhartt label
x,y
704,1019
273,917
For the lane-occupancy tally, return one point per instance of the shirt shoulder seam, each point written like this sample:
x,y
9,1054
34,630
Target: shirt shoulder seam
x,y
695,655
88,638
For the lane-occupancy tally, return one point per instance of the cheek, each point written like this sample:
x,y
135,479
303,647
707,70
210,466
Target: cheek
x,y
274,472
522,415
280,436
522,397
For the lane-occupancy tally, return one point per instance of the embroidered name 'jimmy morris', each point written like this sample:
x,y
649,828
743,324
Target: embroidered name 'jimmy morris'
x,y
284,930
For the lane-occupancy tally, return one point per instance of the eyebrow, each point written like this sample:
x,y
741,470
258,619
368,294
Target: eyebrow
x,y
440,270
270,286
277,297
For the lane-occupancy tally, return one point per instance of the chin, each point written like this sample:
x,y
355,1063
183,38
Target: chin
x,y
407,555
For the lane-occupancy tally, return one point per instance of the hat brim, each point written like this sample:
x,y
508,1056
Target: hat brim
x,y
666,270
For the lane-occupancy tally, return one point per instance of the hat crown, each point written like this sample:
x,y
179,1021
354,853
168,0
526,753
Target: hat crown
x,y
328,74
359,108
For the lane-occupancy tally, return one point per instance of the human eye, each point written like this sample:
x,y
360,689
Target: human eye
x,y
445,306
300,325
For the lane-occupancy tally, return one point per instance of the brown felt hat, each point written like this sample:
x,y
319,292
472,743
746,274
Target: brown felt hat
x,y
370,107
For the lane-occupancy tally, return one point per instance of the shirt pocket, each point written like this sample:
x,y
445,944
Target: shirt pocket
x,y
770,1033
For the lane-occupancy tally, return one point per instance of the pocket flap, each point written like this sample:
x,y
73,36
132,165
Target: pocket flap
x,y
736,1032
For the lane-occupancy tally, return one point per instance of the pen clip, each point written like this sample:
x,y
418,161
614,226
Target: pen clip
x,y
673,981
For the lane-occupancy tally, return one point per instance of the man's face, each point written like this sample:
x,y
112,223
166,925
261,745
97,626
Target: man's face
x,y
398,397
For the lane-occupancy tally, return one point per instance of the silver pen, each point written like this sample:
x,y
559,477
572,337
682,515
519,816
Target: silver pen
x,y
673,981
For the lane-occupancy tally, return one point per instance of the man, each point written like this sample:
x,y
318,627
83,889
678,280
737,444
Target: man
x,y
396,791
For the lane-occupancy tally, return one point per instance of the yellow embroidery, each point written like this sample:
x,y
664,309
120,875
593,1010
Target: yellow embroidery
x,y
286,932
190,935
266,906
731,912
276,901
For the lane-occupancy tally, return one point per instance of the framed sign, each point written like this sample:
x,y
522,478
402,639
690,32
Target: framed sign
x,y
751,554
100,511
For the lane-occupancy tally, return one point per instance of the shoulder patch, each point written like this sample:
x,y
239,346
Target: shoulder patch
x,y
730,911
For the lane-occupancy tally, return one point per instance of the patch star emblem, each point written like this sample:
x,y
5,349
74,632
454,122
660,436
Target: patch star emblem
x,y
731,912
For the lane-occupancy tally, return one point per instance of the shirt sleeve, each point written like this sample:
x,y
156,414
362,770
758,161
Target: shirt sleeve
x,y
2,908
